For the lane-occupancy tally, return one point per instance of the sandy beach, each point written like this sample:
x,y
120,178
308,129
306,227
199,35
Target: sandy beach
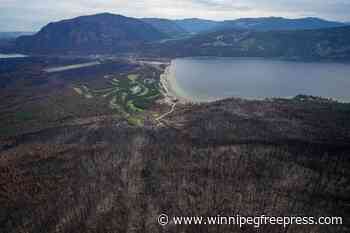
x,y
170,90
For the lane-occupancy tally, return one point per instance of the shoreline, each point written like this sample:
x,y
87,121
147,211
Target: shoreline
x,y
168,89
172,93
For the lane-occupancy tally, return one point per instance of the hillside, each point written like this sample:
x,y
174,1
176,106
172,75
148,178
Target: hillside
x,y
13,35
166,26
266,37
102,33
82,151
196,25
225,158
277,23
7,40
332,43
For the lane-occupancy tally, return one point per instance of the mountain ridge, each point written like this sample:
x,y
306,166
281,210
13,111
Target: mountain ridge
x,y
107,33
198,25
279,23
316,44
167,26
94,33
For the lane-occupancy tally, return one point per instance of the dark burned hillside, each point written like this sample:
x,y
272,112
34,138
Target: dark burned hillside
x,y
33,100
278,158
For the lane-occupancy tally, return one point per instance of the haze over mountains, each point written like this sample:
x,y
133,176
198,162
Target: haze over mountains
x,y
195,25
108,33
99,33
12,35
167,26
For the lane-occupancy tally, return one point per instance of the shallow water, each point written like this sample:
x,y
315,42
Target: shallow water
x,y
71,67
14,55
205,79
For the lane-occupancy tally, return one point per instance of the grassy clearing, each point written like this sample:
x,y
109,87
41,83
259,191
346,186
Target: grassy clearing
x,y
129,94
136,121
23,116
133,77
78,90
132,107
84,91
145,92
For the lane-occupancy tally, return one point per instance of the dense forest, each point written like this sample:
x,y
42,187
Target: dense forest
x,y
320,44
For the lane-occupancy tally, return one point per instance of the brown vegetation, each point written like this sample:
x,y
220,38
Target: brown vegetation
x,y
279,158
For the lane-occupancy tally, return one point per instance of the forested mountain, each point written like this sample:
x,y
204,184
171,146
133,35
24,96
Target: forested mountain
x,y
100,33
195,25
267,37
168,27
12,35
332,43
7,40
277,23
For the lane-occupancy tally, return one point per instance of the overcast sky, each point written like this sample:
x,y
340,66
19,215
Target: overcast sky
x,y
31,15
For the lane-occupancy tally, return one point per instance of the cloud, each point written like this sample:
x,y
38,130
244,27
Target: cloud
x,y
15,15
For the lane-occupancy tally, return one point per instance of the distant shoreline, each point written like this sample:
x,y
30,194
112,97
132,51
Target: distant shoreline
x,y
170,90
12,55
71,67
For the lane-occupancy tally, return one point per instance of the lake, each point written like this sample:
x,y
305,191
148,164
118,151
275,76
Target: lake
x,y
207,79
13,55
71,67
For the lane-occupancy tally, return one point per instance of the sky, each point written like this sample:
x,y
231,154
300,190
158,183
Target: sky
x,y
31,15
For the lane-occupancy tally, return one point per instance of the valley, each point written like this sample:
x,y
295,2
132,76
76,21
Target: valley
x,y
111,87
111,121
104,135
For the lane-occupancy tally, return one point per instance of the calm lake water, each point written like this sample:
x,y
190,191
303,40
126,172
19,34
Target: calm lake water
x,y
3,56
205,79
71,67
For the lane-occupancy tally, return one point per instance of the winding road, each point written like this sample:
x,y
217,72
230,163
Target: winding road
x,y
167,113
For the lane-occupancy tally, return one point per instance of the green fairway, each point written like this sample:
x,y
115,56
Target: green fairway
x,y
129,94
